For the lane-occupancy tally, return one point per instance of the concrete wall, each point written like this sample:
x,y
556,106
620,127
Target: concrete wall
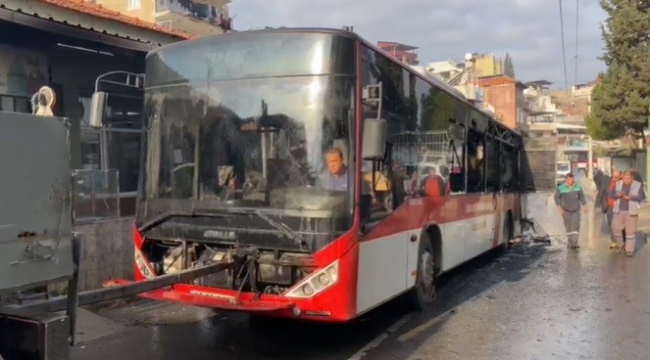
x,y
107,252
488,65
144,12
502,97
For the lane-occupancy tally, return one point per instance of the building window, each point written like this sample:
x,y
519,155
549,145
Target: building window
x,y
135,4
90,149
123,154
114,147
17,104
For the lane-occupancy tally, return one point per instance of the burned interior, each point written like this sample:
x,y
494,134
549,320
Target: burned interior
x,y
267,256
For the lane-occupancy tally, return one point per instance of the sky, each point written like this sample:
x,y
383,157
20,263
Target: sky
x,y
528,29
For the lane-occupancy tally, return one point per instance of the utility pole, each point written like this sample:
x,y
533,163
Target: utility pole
x,y
646,139
590,159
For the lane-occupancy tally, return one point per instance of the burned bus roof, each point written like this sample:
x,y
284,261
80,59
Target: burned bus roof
x,y
340,33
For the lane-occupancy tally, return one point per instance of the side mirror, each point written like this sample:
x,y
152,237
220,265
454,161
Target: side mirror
x,y
98,109
374,139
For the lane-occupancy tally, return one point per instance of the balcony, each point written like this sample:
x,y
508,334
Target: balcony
x,y
196,8
197,17
577,145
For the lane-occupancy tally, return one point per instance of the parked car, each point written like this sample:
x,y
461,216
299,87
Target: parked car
x,y
562,168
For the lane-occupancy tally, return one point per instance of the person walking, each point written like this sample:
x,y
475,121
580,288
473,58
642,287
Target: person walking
x,y
628,194
617,175
598,177
569,197
636,176
602,182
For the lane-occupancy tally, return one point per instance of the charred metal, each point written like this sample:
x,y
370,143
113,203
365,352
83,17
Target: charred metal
x,y
254,269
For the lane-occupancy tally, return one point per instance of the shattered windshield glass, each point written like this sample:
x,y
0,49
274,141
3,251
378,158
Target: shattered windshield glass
x,y
262,144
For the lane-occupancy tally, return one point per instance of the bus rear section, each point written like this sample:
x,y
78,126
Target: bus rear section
x,y
243,134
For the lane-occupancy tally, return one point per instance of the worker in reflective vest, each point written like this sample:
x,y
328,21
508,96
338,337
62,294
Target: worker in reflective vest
x,y
617,175
628,194
569,197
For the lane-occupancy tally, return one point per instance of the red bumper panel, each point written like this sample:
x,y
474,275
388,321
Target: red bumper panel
x,y
206,297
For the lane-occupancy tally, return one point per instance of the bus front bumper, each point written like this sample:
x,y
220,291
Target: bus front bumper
x,y
214,298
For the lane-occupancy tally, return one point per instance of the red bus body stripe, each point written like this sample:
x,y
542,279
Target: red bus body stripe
x,y
421,212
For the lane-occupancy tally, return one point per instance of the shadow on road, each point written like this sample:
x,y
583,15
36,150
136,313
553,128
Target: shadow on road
x,y
284,339
463,285
230,336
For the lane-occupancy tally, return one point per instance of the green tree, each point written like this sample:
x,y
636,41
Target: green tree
x,y
508,66
620,102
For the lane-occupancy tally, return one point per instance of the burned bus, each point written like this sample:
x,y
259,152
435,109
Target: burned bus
x,y
281,152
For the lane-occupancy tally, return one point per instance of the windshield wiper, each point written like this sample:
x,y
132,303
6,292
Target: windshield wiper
x,y
282,228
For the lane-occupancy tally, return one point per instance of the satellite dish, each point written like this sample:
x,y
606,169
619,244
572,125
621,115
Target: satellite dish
x,y
468,56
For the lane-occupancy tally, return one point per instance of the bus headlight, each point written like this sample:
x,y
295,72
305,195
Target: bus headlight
x,y
324,279
315,282
141,263
307,290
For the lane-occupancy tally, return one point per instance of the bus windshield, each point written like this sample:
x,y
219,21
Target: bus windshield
x,y
243,126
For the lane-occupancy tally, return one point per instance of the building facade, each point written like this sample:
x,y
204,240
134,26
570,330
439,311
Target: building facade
x,y
196,17
583,91
445,70
540,103
506,96
488,65
402,52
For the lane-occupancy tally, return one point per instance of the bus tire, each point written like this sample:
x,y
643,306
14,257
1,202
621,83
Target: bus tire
x,y
424,291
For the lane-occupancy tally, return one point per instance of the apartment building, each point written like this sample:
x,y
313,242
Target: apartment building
x,y
506,95
488,65
196,17
403,52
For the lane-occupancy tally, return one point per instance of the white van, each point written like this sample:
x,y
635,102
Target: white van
x,y
562,168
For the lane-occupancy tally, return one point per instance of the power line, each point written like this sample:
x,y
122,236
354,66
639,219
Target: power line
x,y
577,28
566,81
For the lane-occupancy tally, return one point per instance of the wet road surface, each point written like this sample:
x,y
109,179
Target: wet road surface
x,y
534,302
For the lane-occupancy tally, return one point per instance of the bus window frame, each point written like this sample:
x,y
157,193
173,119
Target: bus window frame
x,y
464,114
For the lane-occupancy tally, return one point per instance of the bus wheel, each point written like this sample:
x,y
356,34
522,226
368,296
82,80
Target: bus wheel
x,y
424,291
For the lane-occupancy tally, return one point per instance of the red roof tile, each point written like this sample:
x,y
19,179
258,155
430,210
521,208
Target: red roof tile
x,y
99,11
495,80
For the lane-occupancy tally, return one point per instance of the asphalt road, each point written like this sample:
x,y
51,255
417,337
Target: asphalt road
x,y
534,302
